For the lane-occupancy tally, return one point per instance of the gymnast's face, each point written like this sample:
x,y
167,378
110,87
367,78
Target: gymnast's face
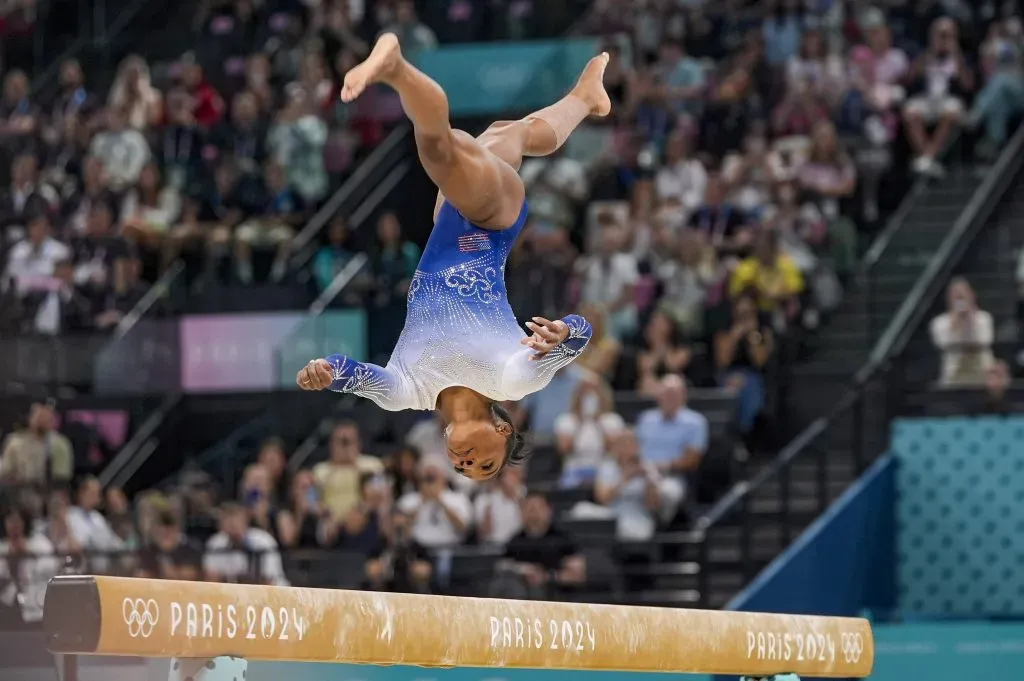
x,y
476,448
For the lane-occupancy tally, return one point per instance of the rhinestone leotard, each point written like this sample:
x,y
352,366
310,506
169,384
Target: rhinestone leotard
x,y
459,328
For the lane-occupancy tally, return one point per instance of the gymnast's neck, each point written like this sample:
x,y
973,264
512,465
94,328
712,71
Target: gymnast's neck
x,y
457,404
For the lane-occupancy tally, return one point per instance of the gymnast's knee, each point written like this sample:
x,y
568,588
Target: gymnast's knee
x,y
437,149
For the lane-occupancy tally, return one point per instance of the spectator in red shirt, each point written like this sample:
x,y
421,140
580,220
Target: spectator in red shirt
x,y
207,104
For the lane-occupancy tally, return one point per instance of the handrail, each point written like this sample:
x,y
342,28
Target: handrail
x,y
138,441
101,34
333,204
996,180
899,216
155,292
380,193
344,277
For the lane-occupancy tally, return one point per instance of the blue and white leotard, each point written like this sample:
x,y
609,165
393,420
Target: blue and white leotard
x,y
459,329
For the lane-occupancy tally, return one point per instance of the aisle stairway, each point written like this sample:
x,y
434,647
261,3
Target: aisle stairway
x,y
870,303
990,266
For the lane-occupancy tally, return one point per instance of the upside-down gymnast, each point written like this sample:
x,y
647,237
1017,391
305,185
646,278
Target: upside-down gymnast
x,y
461,350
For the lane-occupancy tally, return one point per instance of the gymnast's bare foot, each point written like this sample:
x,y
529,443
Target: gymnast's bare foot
x,y
590,86
384,59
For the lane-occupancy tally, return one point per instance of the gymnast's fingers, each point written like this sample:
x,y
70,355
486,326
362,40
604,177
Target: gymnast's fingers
x,y
324,374
302,379
544,332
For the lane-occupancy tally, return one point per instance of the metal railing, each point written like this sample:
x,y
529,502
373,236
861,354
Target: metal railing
x,y
353,190
875,397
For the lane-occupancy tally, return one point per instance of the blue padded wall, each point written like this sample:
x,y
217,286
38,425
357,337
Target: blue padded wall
x,y
960,515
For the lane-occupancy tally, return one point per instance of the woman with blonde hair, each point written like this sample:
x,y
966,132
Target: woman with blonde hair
x,y
133,93
602,353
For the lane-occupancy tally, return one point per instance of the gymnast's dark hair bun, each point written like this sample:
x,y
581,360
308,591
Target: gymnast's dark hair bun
x,y
516,451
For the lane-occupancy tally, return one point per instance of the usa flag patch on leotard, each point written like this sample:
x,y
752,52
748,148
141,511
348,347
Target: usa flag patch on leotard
x,y
470,243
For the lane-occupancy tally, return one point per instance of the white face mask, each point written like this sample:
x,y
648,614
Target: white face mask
x,y
959,305
590,405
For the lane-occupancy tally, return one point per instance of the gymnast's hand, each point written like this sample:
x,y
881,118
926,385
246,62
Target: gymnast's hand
x,y
317,375
547,335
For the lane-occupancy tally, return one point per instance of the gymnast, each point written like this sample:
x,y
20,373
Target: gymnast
x,y
461,350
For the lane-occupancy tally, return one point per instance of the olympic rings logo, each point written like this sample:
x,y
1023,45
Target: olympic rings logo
x,y
141,616
852,646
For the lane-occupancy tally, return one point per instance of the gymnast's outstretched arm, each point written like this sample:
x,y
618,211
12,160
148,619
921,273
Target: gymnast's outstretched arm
x,y
342,374
528,370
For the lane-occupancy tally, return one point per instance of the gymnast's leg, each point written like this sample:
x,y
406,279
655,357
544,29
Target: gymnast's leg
x,y
543,132
478,177
484,189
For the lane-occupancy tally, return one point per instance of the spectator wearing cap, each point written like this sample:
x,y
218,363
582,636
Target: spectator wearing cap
x,y
37,454
940,81
441,517
242,554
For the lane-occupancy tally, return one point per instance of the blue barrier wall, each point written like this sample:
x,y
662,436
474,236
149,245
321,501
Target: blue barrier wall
x,y
960,515
842,563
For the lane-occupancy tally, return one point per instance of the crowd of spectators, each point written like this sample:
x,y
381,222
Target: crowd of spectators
x,y
705,229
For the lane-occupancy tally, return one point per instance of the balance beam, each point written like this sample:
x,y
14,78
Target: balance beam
x,y
202,621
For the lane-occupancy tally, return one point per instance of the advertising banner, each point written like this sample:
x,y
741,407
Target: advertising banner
x,y
506,77
235,352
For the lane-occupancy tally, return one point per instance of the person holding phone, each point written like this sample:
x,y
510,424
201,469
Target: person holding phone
x,y
964,335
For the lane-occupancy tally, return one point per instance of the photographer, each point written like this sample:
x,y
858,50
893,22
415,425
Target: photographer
x,y
401,565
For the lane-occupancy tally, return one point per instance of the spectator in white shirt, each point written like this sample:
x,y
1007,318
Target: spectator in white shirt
x,y
440,516
610,277
123,151
27,562
89,527
242,554
638,496
583,434
32,261
964,335
680,183
498,511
